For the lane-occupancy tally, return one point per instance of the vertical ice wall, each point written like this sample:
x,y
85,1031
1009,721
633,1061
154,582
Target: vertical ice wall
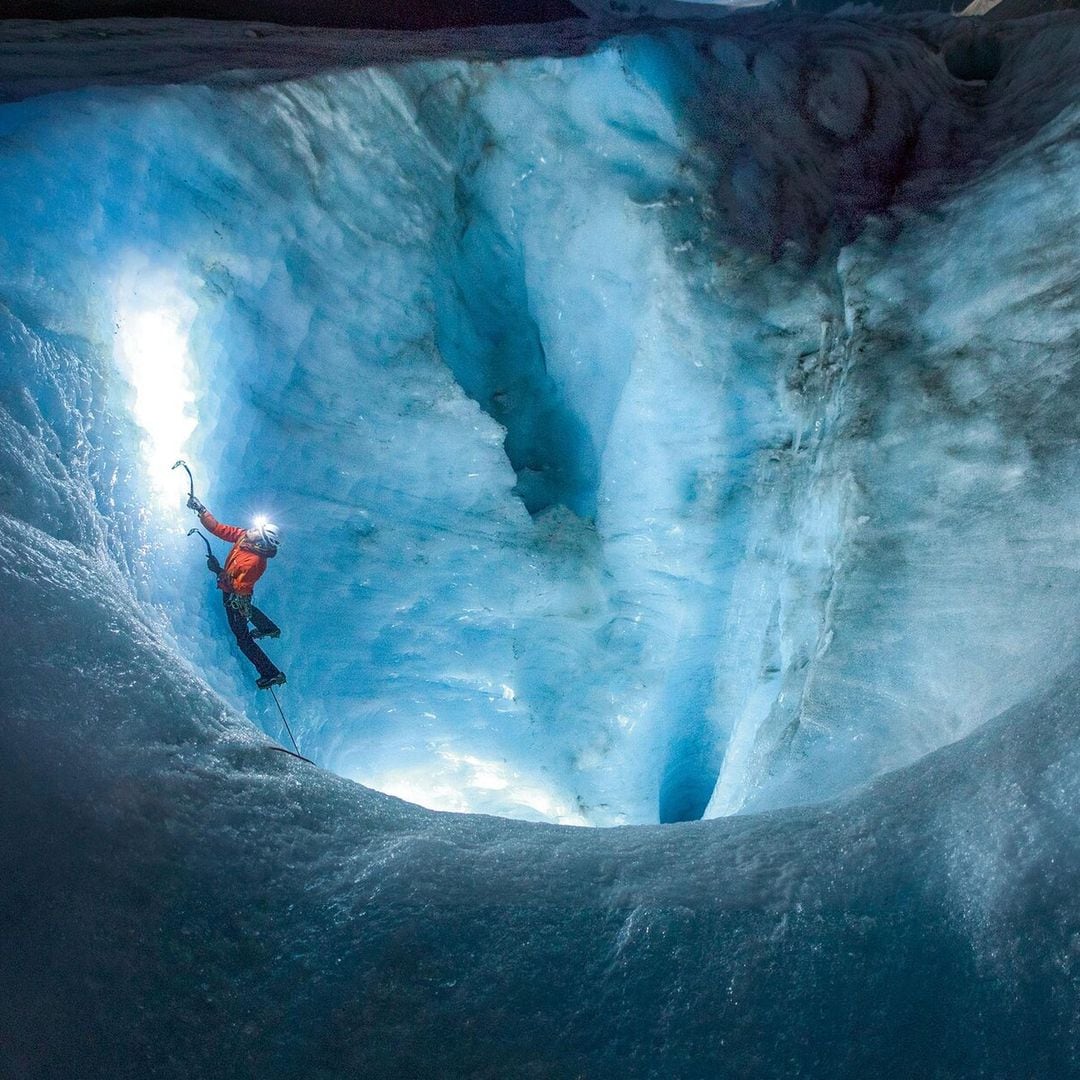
x,y
602,481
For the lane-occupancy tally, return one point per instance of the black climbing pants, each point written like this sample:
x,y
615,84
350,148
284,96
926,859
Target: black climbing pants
x,y
238,624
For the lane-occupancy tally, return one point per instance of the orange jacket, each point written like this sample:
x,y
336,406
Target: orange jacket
x,y
243,566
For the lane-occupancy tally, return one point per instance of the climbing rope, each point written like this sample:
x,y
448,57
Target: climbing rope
x,y
285,722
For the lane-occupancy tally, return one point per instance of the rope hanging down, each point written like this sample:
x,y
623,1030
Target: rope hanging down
x,y
285,722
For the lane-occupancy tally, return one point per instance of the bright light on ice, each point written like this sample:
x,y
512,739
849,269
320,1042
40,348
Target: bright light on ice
x,y
466,775
152,321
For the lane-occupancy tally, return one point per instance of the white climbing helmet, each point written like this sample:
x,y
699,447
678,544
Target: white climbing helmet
x,y
265,533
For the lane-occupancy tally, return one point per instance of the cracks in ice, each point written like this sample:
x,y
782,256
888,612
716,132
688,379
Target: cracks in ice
x,y
493,346
801,624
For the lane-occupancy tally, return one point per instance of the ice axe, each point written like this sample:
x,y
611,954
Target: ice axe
x,y
191,480
211,561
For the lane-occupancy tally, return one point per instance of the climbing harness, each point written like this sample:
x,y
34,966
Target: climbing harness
x,y
240,603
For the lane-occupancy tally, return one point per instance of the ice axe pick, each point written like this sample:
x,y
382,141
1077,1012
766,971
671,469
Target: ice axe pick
x,y
191,479
196,532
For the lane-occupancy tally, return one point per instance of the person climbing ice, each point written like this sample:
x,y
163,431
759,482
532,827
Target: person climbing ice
x,y
245,564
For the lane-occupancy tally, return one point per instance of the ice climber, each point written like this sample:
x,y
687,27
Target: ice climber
x,y
245,564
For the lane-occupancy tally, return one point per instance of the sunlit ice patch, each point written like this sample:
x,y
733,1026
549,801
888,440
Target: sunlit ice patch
x,y
466,783
152,320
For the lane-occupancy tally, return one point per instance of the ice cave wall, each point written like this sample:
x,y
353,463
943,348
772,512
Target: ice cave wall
x,y
626,472
178,900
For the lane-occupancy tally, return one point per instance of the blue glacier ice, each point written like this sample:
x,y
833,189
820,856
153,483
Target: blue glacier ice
x,y
682,425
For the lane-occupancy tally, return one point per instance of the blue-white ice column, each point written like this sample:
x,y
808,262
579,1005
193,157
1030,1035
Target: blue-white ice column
x,y
596,490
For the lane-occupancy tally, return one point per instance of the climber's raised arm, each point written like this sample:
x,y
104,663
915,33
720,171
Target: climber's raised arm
x,y
231,534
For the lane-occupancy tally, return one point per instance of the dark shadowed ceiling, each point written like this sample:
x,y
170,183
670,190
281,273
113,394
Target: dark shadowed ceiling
x,y
372,14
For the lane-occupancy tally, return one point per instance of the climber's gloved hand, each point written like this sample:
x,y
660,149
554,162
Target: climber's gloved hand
x,y
213,565
194,504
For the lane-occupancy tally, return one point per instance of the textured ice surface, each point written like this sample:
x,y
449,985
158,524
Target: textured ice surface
x,y
179,900
613,484
626,467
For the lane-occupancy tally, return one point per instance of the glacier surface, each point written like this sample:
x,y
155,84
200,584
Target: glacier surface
x,y
685,428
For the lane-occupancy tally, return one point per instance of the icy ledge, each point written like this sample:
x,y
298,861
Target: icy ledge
x,y
180,901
